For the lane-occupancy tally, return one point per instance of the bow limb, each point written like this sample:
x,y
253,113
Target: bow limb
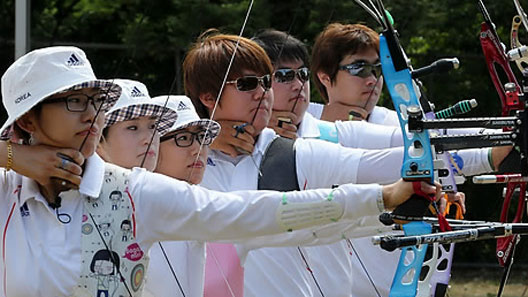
x,y
511,100
398,81
417,165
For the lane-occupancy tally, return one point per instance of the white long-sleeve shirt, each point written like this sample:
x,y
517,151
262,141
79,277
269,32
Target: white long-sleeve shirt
x,y
372,134
41,255
280,271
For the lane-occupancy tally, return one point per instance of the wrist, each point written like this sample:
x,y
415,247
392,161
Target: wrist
x,y
386,191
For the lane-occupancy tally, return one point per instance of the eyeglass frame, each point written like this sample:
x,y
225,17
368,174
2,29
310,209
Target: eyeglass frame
x,y
353,66
88,99
297,74
194,137
260,80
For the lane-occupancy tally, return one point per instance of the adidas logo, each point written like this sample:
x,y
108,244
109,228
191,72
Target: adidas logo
x,y
74,61
136,93
210,162
182,106
24,210
22,97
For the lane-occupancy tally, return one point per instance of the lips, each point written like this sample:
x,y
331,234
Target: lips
x,y
150,153
197,164
92,131
300,98
261,107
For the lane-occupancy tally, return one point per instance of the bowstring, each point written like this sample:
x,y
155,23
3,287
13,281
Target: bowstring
x,y
208,127
226,75
108,90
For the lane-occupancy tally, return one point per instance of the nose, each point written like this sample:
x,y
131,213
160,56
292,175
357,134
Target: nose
x,y
147,135
371,80
90,113
259,92
297,83
195,147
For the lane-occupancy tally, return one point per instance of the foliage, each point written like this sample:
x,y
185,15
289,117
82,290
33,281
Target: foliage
x,y
146,40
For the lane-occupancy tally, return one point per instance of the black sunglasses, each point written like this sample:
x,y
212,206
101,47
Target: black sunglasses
x,y
79,102
287,75
186,138
362,69
251,82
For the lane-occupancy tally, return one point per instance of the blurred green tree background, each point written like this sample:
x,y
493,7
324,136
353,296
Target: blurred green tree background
x,y
146,40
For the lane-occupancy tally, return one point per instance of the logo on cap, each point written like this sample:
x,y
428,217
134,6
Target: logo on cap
x,y
22,97
136,93
182,106
74,61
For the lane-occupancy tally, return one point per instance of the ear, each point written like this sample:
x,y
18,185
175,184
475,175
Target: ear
x,y
324,79
27,122
208,101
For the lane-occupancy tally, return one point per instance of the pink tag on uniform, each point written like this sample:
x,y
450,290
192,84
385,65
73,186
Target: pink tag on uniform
x,y
133,252
224,277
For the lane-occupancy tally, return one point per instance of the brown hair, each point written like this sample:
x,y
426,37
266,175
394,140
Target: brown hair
x,y
334,43
207,61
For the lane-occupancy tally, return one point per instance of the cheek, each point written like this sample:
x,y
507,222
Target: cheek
x,y
173,161
280,97
120,147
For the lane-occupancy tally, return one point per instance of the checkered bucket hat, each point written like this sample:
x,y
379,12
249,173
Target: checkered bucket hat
x,y
45,72
187,115
135,102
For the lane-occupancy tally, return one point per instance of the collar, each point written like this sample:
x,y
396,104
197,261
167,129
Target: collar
x,y
308,127
91,182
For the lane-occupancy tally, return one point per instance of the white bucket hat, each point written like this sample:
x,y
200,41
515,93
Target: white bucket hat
x,y
135,102
44,72
187,115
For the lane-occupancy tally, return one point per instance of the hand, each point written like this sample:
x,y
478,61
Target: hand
x,y
498,153
341,112
227,143
459,198
43,164
356,113
283,123
400,191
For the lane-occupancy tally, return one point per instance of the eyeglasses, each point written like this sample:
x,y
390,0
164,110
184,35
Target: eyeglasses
x,y
287,75
250,83
186,138
362,69
79,102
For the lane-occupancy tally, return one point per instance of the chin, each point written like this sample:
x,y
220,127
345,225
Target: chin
x,y
196,177
87,151
151,163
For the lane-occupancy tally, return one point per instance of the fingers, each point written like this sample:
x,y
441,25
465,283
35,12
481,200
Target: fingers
x,y
66,180
357,113
442,204
459,198
285,132
226,141
72,154
429,189
69,166
241,144
282,116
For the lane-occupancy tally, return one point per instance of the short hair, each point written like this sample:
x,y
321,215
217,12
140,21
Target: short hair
x,y
116,192
334,43
281,46
207,61
106,255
